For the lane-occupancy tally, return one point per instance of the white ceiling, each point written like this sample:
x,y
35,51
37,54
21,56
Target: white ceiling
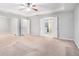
x,y
42,8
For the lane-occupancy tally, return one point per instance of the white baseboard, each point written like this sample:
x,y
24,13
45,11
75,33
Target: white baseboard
x,y
77,43
63,38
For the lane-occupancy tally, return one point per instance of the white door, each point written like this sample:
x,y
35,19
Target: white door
x,y
48,27
25,27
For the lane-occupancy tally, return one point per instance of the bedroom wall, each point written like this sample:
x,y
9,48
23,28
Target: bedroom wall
x,y
4,25
14,26
76,24
9,22
66,24
9,25
20,30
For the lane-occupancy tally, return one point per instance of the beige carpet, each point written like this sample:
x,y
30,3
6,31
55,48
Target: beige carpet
x,y
29,45
72,51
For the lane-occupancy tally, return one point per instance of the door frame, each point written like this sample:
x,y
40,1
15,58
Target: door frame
x,y
57,25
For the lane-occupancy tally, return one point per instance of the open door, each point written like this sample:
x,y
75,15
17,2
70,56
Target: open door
x,y
48,27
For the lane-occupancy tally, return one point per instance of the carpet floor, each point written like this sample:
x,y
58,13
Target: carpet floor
x,y
29,45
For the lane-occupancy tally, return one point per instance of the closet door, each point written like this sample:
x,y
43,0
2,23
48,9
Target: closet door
x,y
25,27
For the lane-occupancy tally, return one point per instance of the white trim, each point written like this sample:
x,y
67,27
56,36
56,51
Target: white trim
x,y
77,43
54,23
63,38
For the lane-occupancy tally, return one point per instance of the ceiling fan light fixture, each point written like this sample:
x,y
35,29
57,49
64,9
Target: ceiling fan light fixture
x,y
28,9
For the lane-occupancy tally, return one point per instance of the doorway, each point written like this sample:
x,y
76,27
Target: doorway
x,y
48,27
25,27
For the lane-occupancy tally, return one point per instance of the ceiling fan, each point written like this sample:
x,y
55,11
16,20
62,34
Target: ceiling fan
x,y
28,7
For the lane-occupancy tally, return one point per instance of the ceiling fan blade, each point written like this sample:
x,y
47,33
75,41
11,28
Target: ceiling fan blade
x,y
33,5
35,9
28,5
